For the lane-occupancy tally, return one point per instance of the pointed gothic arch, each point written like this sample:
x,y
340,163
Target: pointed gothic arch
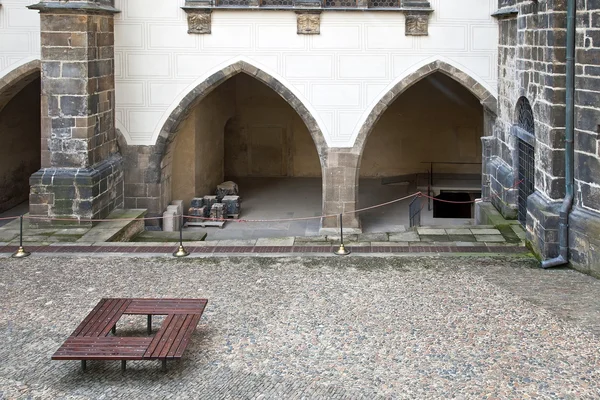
x,y
161,160
487,99
15,80
194,96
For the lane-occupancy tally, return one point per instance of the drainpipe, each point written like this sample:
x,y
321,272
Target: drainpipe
x,y
563,257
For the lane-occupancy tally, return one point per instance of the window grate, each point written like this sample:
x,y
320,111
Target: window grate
x,y
526,177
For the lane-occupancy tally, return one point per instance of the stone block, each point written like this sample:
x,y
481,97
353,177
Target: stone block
x,y
490,238
431,231
410,236
169,218
216,211
179,204
283,241
177,221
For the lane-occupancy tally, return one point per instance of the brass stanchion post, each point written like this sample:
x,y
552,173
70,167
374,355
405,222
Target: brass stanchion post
x,y
181,251
342,251
21,253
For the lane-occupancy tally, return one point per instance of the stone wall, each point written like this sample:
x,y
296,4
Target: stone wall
x,y
20,152
267,136
533,40
531,65
79,147
498,173
198,148
584,233
437,119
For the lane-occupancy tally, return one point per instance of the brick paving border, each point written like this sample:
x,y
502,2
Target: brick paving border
x,y
162,249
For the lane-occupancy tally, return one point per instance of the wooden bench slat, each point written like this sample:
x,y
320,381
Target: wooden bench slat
x,y
164,341
99,357
90,315
98,318
166,306
102,346
116,316
171,340
186,337
180,335
106,319
158,336
107,339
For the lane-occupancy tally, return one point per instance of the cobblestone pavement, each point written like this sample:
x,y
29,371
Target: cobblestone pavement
x,y
357,327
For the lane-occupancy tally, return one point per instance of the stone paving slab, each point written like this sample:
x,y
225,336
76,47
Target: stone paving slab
x,y
410,236
485,231
490,238
284,241
341,328
431,231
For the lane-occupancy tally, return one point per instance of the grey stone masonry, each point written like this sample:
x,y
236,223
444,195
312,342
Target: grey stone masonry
x,y
78,95
532,64
340,187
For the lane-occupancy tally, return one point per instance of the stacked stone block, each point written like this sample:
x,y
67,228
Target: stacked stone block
x,y
532,64
584,222
82,174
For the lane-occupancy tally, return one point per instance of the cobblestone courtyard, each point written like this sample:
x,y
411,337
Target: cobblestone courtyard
x,y
393,327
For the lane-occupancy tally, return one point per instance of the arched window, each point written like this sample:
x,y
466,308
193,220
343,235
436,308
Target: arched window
x,y
525,118
526,153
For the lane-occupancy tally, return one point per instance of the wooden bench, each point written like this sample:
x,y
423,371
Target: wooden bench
x,y
90,341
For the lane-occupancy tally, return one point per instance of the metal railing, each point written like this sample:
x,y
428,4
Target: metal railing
x,y
414,212
430,175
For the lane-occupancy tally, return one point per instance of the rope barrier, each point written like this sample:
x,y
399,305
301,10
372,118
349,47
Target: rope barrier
x,y
242,220
92,220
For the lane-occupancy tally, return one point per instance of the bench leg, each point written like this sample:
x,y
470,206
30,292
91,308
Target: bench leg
x,y
149,324
83,365
123,365
114,329
164,365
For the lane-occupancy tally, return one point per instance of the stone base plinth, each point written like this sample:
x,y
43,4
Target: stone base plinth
x,y
73,196
542,225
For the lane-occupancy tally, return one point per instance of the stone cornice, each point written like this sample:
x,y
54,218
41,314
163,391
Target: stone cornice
x,y
506,12
73,7
188,7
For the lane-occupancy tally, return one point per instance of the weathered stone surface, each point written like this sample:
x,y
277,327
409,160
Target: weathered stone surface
x,y
309,23
199,21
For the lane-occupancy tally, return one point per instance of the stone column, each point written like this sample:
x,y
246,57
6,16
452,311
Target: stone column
x,y
81,175
340,189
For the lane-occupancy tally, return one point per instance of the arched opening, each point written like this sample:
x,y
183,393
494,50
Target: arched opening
x,y
246,132
525,123
428,140
20,131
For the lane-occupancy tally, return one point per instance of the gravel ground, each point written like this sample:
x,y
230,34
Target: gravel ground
x,y
410,327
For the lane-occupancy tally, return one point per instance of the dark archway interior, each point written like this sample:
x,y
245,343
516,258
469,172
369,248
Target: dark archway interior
x,y
20,151
437,120
245,132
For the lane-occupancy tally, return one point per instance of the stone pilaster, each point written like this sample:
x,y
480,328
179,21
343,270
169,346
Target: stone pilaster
x,y
340,189
81,175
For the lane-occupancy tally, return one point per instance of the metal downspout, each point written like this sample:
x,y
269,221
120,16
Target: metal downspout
x,y
563,257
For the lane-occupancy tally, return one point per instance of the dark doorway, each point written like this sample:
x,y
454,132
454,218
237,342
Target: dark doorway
x,y
461,209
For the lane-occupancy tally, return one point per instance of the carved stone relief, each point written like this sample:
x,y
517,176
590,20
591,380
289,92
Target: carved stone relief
x,y
309,23
417,23
199,21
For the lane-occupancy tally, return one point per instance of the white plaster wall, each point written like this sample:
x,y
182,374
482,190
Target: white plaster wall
x,y
19,34
339,74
